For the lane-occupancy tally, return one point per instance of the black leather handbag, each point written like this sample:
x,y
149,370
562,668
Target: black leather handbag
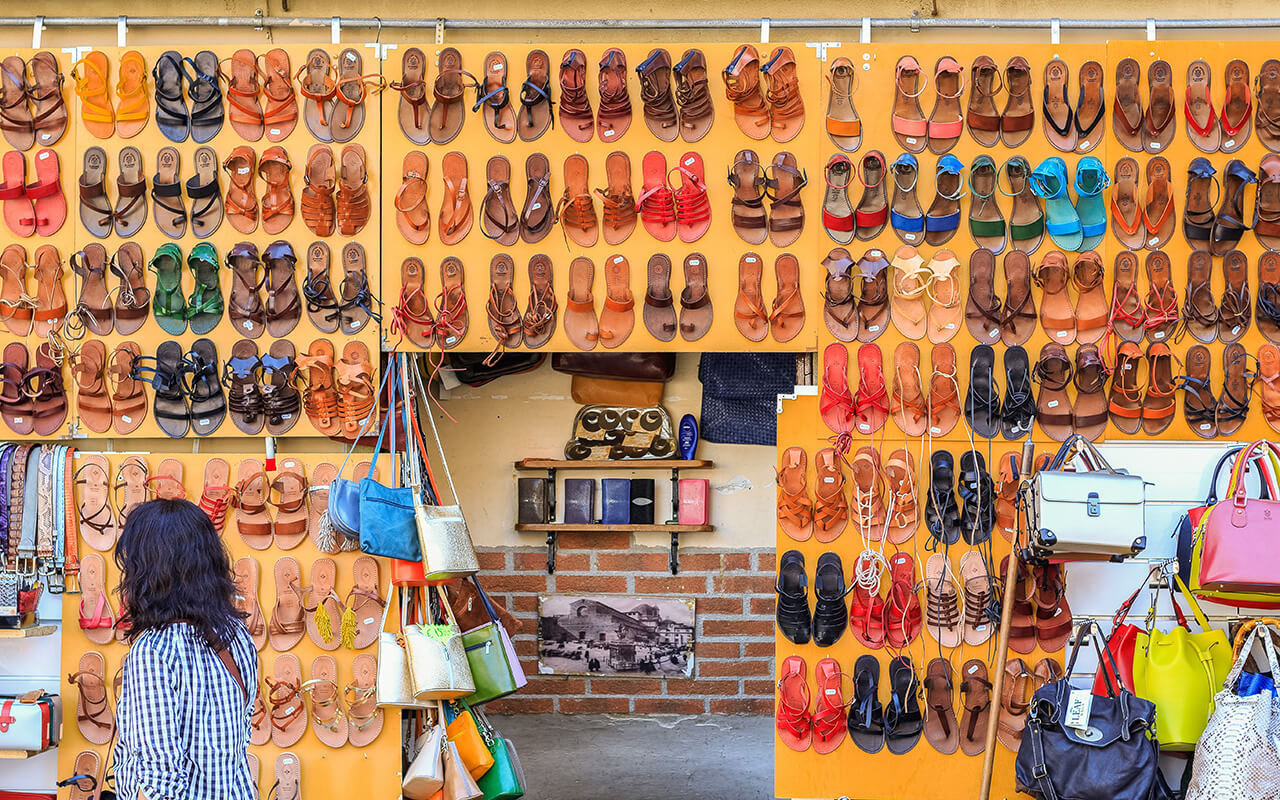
x,y
1113,757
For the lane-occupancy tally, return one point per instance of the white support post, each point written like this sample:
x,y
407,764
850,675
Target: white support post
x,y
1151,30
37,33
1055,31
122,30
764,30
335,30
866,31
439,30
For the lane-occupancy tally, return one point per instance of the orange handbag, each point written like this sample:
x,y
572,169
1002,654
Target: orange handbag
x,y
407,573
465,734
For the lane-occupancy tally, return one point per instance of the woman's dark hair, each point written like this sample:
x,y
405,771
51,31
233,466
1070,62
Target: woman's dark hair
x,y
174,567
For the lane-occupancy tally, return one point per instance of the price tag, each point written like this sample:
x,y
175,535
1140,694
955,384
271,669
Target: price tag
x,y
1078,706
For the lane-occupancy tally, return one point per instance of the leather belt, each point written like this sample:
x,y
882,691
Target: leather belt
x,y
45,502
17,481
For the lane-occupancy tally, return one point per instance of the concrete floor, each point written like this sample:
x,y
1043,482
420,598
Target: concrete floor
x,y
593,757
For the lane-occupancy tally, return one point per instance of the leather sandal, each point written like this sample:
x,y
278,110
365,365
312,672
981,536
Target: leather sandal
x,y
1237,109
1203,127
95,717
783,182
793,719
318,207
241,202
1237,387
96,112
447,114
692,203
16,306
1158,127
617,205
975,689
613,118
132,299
1091,108
93,404
910,284
873,295
984,310
1128,311
1269,383
839,307
131,190
576,209
870,402
15,405
693,95
943,614
1198,214
838,217
277,200
942,220
1089,412
50,306
1059,118
168,304
96,213
870,517
986,222
660,114
317,84
904,514
1161,310
903,722
93,307
1057,315
940,727
1158,215
576,117
1200,308
502,310
539,320
1127,119
246,573
242,96
945,315
1228,225
168,210
535,114
280,111
1009,479
982,116
493,96
128,400
413,109
978,586
747,211
538,215
1026,219
16,121
455,209
1018,410
743,88
907,404
99,527
1237,307
1268,115
829,722
356,300
910,128
695,300
1125,401
1127,221
319,394
246,310
872,212
795,509
19,211
205,193
748,309
1266,225
944,391
412,314
202,77
1053,615
617,319
903,616
1268,310
324,700
844,126
283,303
353,207
1053,371
205,305
413,217
786,102
982,401
1018,321
946,122
350,90
202,387
659,306
1091,310
1018,118
169,403
498,218
452,317
1159,405
787,317
354,381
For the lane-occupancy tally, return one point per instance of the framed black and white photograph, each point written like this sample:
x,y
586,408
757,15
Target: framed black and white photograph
x,y
615,635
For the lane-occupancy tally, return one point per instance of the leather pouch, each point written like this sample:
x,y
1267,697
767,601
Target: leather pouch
x,y
532,507
580,500
642,501
627,366
616,493
615,392
694,496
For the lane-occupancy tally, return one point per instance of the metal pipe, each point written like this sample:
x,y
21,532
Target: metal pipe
x,y
645,24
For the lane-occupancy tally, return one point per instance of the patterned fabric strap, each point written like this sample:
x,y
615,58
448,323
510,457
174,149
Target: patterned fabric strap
x,y
17,482
71,548
45,502
30,507
6,458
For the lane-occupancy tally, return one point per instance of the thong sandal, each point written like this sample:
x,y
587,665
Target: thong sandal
x,y
447,114
96,616
245,601
318,85
96,518
1059,118
1203,128
903,722
535,97
975,688
328,719
412,87
364,716
288,714
350,90
493,96
1158,120
839,308
498,218
940,727
412,315
580,323
538,215
324,613
455,209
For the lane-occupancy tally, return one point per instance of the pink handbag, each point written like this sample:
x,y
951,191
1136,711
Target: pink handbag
x,y
1239,551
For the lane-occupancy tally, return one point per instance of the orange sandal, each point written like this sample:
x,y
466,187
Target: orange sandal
x,y
277,201
241,202
245,112
90,75
131,90
281,113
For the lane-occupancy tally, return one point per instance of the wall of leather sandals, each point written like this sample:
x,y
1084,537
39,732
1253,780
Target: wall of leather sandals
x,y
1118,295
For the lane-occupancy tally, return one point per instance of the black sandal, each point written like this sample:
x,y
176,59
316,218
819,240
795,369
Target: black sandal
x,y
172,117
1237,388
978,515
1019,409
172,413
941,512
982,403
866,714
244,392
280,398
903,722
791,613
203,389
205,95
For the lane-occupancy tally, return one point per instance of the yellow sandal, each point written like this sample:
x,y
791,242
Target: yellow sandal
x,y
90,74
131,88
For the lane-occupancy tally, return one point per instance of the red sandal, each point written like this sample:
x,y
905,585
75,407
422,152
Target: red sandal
x,y
871,403
656,204
693,208
866,617
903,617
830,716
794,722
836,402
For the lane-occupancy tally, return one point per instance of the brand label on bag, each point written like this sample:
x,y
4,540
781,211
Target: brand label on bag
x,y
1078,705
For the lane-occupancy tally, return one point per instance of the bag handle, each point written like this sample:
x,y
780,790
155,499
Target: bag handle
x,y
1242,653
1266,462
387,417
1091,629
386,610
365,427
444,460
1201,619
1122,613
484,598
1217,474
452,621
1077,445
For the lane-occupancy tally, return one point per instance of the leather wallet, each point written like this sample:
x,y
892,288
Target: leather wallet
x,y
616,494
533,507
694,494
580,500
642,501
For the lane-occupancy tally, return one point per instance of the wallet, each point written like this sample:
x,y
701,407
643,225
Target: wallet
x,y
616,493
694,494
580,500
642,501
533,506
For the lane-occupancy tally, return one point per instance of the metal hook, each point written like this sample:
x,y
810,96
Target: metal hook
x,y
377,37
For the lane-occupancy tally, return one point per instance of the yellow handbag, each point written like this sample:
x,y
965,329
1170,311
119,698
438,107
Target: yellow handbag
x,y
1180,672
465,733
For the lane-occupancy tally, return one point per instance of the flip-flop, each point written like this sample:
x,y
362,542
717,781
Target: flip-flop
x,y
537,217
288,623
1049,182
414,108
413,216
1091,180
246,572
318,84
96,519
975,689
580,323
172,116
1126,211
695,299
288,710
97,617
253,520
617,319
1059,118
324,701
1203,127
216,493
323,607
535,114
1091,108
1158,121
903,721
455,217
364,717
448,114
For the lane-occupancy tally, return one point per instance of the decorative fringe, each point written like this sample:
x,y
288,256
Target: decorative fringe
x,y
350,544
349,628
326,534
324,623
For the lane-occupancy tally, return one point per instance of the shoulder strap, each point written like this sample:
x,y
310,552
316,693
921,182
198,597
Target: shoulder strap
x,y
234,669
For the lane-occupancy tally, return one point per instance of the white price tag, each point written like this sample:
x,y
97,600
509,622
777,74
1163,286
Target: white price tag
x,y
1078,705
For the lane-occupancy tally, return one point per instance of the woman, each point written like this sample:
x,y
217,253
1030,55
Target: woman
x,y
192,669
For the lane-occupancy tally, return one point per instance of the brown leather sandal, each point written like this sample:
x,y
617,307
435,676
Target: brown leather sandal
x,y
907,404
941,729
167,209
787,317
983,311
96,213
93,307
288,711
1057,315
693,94
93,404
290,523
742,88
318,87
283,304
15,303
535,97
447,115
1092,308
354,374
839,305
1126,213
538,215
580,323
786,102
1158,121
1161,311
412,314
455,207
351,90
1018,119
128,398
748,309
830,504
354,205
498,218
660,114
502,309
1053,406
1237,308
94,715
576,210
207,210
783,181
51,299
413,216
357,301
277,201
412,87
452,318
241,202
1199,307
280,112
747,211
576,117
1125,402
494,97
539,321
1015,702
982,117
245,599
48,107
617,318
319,396
659,305
795,509
617,204
613,118
245,306
944,391
130,213
1089,412
695,300
318,208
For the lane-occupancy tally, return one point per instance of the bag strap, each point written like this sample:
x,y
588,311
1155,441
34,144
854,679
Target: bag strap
x,y
444,460
484,598
1265,461
1077,445
386,609
365,427
1242,654
387,417
1122,613
1201,619
448,610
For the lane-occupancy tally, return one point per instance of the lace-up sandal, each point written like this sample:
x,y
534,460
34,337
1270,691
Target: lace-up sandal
x,y
128,400
944,393
975,691
1059,118
1237,306
1053,406
322,305
93,405
1089,413
870,402
838,217
1200,308
414,108
839,308
977,518
742,88
908,123
982,402
1269,295
1053,614
1057,315
830,516
246,570
1203,127
783,182
946,314
317,85
873,298
836,401
1161,303
319,395
412,315
747,211
748,309
351,90
1091,311
455,208
356,308
1199,404
95,718
1128,312
866,617
1237,387
793,718
503,311
904,513
93,307
905,214
659,308
795,509
986,222
247,311
617,205
493,96
946,122
132,299
324,700
164,373
695,300
96,213
205,95
866,713
903,617
786,103
942,602
288,712
538,215
614,116
203,388
241,202
693,95
576,117
844,126
984,311
660,113
539,321
98,526
277,201
870,515
1269,383
1125,402
535,114
96,113
452,319
1228,225
907,404
1026,218
786,318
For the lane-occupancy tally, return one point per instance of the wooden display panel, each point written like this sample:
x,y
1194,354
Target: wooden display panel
x,y
323,767
297,144
720,245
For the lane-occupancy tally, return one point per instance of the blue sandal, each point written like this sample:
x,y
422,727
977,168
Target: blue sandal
x,y
908,222
1049,182
943,219
1091,179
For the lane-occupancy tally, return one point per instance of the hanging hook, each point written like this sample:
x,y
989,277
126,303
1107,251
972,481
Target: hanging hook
x,y
377,37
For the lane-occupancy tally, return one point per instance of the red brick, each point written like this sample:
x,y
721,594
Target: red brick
x,y
527,647
744,584
767,562
595,705
760,649
628,686
633,562
672,584
762,688
663,705
491,560
591,583
734,668
736,627
702,687
524,602
742,705
701,562
737,561
521,704
517,583
719,649
719,605
763,606
549,685
593,541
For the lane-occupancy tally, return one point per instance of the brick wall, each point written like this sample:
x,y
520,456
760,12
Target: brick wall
x,y
734,640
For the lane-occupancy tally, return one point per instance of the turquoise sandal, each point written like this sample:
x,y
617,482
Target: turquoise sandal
x,y
1049,182
1091,179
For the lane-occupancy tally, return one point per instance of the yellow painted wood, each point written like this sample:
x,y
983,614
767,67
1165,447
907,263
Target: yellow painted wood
x,y
640,463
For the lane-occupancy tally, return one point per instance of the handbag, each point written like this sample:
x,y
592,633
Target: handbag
x,y
1187,522
29,722
627,366
458,783
387,526
425,775
1234,557
492,665
1097,514
1121,644
394,688
437,661
465,733
1111,758
477,369
588,391
505,779
1180,671
344,493
1236,756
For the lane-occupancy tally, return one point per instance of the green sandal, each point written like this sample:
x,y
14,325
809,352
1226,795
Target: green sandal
x,y
205,306
167,303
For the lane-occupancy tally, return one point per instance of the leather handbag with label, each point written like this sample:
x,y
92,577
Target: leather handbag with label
x,y
1188,522
1180,672
1112,757
425,775
1236,756
29,722
437,659
1235,558
465,732
1094,514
